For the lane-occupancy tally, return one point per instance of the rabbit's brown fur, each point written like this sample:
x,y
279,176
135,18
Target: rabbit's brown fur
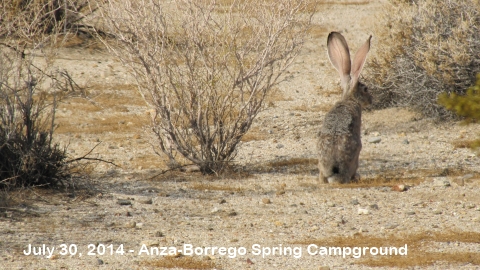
x,y
339,142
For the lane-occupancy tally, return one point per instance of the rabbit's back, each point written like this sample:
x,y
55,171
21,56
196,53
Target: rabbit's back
x,y
343,119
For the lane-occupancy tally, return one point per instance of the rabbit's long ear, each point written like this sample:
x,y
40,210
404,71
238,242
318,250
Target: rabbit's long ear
x,y
359,60
340,57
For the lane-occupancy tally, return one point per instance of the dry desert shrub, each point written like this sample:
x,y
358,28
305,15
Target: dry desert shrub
x,y
205,67
31,17
30,89
425,47
28,155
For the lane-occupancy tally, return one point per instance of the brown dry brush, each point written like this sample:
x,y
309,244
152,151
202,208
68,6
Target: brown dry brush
x,y
30,89
425,47
205,67
28,18
28,156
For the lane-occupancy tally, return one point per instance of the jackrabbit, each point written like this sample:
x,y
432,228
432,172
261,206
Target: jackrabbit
x,y
339,142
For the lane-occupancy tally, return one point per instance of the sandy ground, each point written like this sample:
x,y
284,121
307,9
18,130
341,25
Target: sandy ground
x,y
274,215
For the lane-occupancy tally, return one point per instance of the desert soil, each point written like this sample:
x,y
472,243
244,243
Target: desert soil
x,y
275,202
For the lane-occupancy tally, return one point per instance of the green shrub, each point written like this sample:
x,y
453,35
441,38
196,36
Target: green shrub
x,y
467,106
425,47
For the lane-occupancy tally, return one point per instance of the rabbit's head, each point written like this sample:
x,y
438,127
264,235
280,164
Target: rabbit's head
x,y
349,72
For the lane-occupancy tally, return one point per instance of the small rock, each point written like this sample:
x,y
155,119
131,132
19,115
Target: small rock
x,y
222,201
146,201
441,182
124,202
191,168
406,141
362,211
280,192
373,206
131,224
437,212
374,140
279,223
313,229
390,226
279,146
109,224
410,213
100,262
159,234
399,188
334,224
355,202
232,213
215,210
362,230
471,206
150,243
266,201
331,204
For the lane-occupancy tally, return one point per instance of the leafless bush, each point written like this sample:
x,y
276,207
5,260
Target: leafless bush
x,y
205,66
425,47
30,88
27,18
28,155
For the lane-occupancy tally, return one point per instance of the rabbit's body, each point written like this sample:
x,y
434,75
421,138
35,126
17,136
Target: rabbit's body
x,y
340,143
339,139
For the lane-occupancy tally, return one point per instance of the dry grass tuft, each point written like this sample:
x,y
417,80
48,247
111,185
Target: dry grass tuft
x,y
255,134
417,244
215,187
304,107
288,165
183,262
425,47
293,162
346,3
404,177
316,31
466,143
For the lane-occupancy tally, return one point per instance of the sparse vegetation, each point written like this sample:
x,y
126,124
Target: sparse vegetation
x,y
28,155
205,68
42,16
417,244
466,106
425,47
30,90
183,262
